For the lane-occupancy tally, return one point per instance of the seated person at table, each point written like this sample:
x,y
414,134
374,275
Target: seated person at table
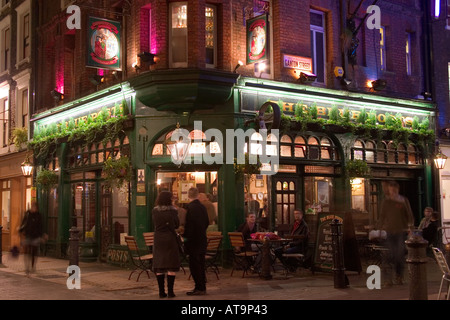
x,y
247,228
429,226
299,245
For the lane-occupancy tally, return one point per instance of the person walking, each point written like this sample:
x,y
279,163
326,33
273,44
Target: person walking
x,y
166,258
31,229
197,222
396,218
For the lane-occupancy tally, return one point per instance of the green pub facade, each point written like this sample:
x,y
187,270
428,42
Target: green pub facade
x,y
313,167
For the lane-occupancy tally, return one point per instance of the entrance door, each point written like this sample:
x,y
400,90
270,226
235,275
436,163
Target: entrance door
x,y
286,202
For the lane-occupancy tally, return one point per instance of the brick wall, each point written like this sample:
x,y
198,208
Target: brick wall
x,y
290,25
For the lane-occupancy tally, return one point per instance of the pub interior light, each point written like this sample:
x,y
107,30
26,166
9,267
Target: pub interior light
x,y
306,77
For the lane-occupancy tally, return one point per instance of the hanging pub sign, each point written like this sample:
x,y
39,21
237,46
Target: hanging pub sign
x,y
104,44
257,39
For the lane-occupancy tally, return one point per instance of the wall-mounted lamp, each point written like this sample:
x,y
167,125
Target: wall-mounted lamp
x,y
440,159
307,78
97,80
58,96
379,84
239,64
27,167
148,57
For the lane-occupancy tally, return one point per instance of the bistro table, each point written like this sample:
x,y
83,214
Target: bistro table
x,y
265,254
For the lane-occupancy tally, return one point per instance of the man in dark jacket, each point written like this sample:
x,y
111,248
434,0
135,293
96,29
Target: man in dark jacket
x,y
300,232
197,222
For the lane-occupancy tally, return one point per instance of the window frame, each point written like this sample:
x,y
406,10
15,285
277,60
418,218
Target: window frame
x,y
316,29
5,114
408,54
383,61
23,10
214,32
171,63
4,25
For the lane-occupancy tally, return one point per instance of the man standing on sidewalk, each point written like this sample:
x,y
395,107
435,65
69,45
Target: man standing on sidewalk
x,y
197,222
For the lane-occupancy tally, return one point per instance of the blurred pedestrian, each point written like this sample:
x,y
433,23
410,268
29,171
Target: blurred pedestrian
x,y
429,226
197,222
31,229
203,198
166,257
397,219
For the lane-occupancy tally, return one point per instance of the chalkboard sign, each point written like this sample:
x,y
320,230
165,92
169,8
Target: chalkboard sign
x,y
323,251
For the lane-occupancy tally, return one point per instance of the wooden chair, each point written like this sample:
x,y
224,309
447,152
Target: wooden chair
x,y
212,252
142,262
149,238
242,258
442,263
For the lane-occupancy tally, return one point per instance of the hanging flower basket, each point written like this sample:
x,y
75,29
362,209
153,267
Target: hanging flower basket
x,y
47,179
357,169
117,172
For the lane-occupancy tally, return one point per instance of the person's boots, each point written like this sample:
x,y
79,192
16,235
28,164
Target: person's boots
x,y
160,279
170,283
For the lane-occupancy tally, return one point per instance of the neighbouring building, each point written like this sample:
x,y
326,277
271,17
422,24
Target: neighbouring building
x,y
17,44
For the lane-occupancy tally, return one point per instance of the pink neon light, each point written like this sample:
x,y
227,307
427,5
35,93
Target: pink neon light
x,y
101,72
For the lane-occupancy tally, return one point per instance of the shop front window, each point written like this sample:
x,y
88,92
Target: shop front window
x,y
179,183
318,194
308,147
386,152
6,204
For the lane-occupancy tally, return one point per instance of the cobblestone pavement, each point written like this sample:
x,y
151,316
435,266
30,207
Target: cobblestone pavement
x,y
104,282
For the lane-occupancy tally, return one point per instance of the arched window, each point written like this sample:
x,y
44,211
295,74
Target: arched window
x,y
309,147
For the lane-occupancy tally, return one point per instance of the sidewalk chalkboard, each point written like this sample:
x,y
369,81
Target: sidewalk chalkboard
x,y
323,251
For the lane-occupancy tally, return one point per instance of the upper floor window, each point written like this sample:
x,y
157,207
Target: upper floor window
x,y
211,36
4,114
308,147
318,44
178,36
23,31
448,15
383,48
408,54
5,44
25,110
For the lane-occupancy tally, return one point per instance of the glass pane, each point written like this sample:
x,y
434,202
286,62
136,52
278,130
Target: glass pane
x,y
292,186
370,145
380,157
292,198
285,186
300,140
411,148
320,57
299,152
401,147
370,156
391,157
285,214
359,144
316,19
285,198
412,158
358,154
286,139
286,151
325,142
279,185
313,153
209,34
401,157
279,199
179,33
313,141
325,154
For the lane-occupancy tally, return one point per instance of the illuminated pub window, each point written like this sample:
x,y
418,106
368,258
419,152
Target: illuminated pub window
x,y
178,36
211,36
308,147
386,152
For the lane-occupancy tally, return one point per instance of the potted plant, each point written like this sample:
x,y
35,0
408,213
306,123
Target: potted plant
x,y
117,172
47,179
20,138
357,168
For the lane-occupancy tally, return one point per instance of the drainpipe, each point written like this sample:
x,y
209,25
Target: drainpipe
x,y
343,7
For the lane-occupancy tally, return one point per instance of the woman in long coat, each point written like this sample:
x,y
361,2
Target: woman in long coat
x,y
166,257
